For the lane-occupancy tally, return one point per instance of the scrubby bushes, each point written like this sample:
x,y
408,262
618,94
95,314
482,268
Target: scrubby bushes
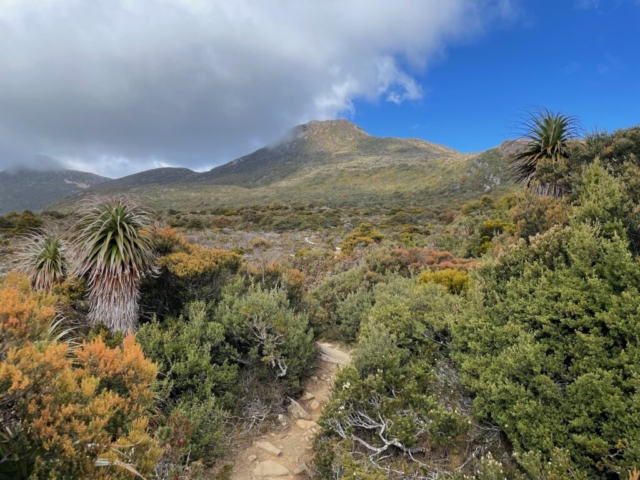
x,y
187,350
209,353
262,331
187,273
362,236
550,344
69,410
400,400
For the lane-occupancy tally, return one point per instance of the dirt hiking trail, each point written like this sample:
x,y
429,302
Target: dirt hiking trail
x,y
286,452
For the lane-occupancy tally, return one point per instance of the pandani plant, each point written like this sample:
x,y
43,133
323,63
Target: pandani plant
x,y
42,256
542,164
113,249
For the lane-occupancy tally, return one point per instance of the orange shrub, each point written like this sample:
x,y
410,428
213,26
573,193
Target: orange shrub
x,y
24,316
167,240
63,408
222,222
416,259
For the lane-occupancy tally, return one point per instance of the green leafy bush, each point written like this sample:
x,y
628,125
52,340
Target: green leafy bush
x,y
263,333
551,347
398,400
352,312
197,378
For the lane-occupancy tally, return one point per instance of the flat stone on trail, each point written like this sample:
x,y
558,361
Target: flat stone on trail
x,y
251,458
306,424
300,469
308,396
314,406
330,354
269,448
269,468
298,410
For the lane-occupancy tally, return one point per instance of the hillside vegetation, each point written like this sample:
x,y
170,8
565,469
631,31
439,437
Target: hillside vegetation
x,y
492,336
331,163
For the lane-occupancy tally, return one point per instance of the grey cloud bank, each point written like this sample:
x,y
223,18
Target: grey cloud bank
x,y
119,86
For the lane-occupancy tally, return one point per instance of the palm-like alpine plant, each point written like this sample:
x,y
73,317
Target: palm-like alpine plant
x,y
42,256
113,249
542,165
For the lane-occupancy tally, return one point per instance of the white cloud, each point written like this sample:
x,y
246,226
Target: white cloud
x,y
117,86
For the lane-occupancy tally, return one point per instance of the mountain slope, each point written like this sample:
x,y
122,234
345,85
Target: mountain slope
x,y
320,144
159,176
334,163
27,189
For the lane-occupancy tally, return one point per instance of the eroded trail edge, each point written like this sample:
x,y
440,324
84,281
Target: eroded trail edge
x,y
287,452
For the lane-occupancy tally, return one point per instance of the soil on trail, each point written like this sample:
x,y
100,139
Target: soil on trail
x,y
286,452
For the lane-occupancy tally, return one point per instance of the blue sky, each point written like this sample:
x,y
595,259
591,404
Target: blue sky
x,y
116,87
578,58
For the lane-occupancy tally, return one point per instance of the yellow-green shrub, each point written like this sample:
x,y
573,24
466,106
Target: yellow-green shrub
x,y
189,273
364,235
456,281
199,261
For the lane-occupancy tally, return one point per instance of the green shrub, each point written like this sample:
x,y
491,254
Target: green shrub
x,y
263,333
27,221
324,298
198,380
398,395
551,347
489,230
187,273
352,311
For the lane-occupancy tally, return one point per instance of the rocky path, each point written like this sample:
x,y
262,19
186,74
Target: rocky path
x,y
286,452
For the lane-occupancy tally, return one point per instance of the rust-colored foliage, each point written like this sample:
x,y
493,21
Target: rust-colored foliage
x,y
68,407
417,259
166,239
537,215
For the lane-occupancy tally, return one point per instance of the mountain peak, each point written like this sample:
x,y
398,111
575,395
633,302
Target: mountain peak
x,y
335,129
322,135
338,124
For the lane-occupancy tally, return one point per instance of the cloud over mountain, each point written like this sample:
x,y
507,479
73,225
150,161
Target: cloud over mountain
x,y
117,86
